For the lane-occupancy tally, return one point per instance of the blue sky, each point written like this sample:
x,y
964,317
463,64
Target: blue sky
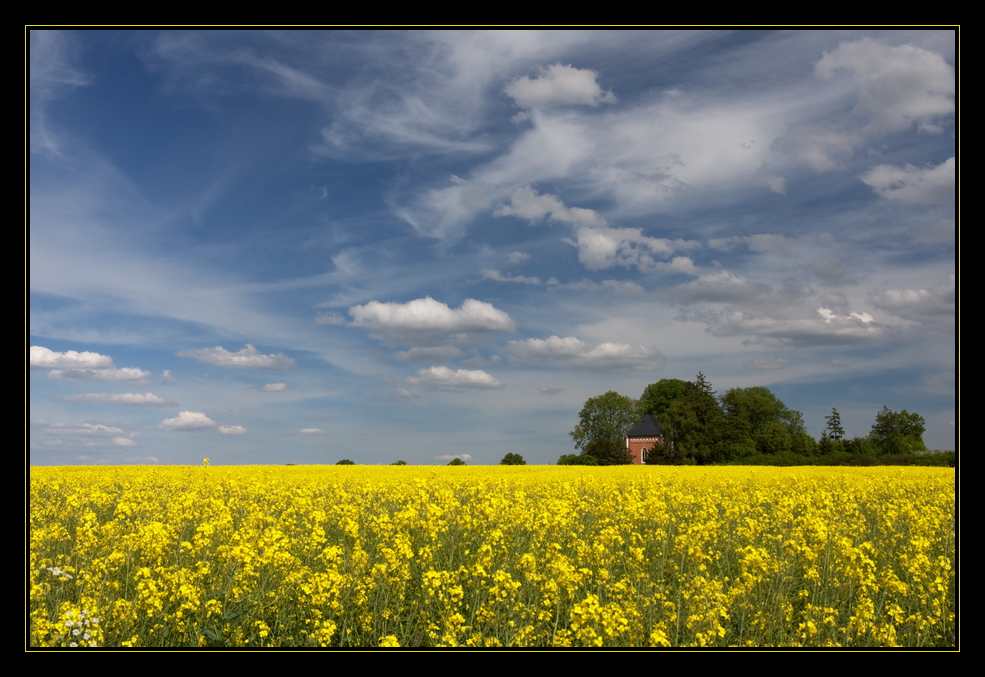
x,y
303,246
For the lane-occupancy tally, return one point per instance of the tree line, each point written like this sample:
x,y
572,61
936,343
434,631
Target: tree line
x,y
701,427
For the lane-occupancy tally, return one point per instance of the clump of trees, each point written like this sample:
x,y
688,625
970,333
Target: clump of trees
x,y
512,459
703,427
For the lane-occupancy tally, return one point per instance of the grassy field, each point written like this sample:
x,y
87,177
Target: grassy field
x,y
411,556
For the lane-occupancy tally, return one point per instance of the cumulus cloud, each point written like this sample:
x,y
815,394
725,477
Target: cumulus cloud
x,y
232,430
247,358
429,322
558,85
573,352
789,315
526,203
913,185
897,86
187,420
82,366
599,245
824,328
142,399
274,387
461,378
934,306
43,358
312,431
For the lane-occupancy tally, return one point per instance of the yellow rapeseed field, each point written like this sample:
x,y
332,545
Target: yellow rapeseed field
x,y
514,556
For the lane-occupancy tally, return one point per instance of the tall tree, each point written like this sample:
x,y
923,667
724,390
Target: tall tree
x,y
657,397
833,428
693,426
898,432
606,417
757,414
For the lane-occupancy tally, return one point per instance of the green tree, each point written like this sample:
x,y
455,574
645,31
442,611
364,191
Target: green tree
x,y
898,432
346,461
757,414
456,461
606,417
513,459
657,397
577,459
833,428
694,426
399,463
608,451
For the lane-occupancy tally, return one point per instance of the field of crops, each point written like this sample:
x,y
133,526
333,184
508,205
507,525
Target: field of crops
x,y
542,556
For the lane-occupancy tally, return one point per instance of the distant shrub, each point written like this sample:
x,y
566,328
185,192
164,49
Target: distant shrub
x,y
577,459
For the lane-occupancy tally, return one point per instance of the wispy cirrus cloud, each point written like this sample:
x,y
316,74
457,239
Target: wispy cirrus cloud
x,y
137,399
572,352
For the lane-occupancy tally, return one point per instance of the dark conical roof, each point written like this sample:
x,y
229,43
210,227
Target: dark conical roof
x,y
649,426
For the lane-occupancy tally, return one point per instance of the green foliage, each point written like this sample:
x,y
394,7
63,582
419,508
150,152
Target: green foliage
x,y
399,463
657,397
513,459
609,452
833,429
346,461
577,459
694,426
606,417
898,432
757,414
456,461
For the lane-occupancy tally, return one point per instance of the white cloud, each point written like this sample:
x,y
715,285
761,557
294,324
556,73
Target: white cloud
x,y
912,185
525,203
274,387
426,321
449,457
897,86
247,358
445,377
599,245
825,328
84,429
429,354
187,420
720,287
573,352
124,374
329,318
497,276
143,399
935,306
558,85
312,431
43,358
232,430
